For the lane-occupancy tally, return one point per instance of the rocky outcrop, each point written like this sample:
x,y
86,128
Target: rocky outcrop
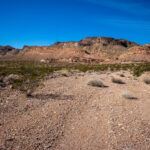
x,y
106,45
5,49
148,45
136,54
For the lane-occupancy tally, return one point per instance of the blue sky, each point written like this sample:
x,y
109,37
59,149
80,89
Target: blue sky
x,y
43,22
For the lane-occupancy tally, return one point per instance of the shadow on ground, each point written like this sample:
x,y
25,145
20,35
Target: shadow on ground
x,y
53,96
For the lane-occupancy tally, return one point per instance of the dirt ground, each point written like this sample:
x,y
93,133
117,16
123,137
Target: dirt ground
x,y
68,114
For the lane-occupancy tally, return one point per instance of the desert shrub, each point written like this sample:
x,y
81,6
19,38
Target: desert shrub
x,y
117,80
32,73
24,76
10,79
29,92
140,68
64,72
122,75
145,77
96,83
127,95
146,80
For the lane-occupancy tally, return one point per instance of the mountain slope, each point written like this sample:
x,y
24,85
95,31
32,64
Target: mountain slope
x,y
136,54
88,50
98,45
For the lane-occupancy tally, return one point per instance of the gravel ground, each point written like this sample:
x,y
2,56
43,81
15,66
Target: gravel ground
x,y
68,114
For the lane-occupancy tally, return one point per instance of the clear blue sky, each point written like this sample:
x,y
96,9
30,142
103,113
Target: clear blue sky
x,y
43,22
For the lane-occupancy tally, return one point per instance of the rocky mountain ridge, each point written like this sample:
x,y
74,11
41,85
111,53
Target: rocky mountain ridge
x,y
90,49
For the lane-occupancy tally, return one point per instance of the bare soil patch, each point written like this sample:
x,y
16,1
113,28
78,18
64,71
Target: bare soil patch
x,y
68,114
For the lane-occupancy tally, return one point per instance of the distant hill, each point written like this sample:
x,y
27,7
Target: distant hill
x,y
88,50
98,45
5,49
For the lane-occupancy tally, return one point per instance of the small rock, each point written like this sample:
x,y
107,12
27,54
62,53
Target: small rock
x,y
26,108
10,139
43,61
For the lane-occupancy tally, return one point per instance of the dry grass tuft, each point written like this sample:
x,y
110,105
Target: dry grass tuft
x,y
122,75
117,80
127,95
96,83
145,77
146,80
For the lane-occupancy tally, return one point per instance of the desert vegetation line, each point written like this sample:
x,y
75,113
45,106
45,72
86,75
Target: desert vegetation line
x,y
32,73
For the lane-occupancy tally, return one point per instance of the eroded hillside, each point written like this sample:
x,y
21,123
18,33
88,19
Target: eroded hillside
x,y
89,50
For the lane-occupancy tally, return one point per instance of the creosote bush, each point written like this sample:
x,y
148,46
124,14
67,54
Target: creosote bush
x,y
117,80
127,95
122,75
96,83
146,80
